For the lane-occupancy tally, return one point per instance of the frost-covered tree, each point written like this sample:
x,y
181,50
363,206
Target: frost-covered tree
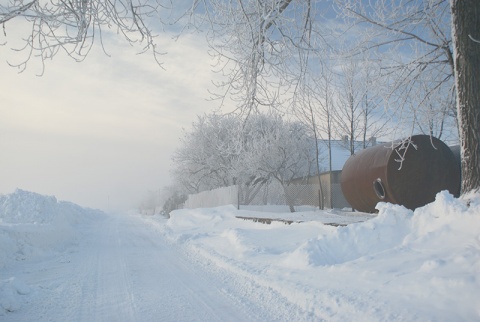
x,y
260,46
438,51
279,150
417,38
348,116
314,107
358,113
208,152
314,111
436,117
226,150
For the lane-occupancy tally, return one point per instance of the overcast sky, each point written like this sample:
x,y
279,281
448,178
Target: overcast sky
x,y
100,133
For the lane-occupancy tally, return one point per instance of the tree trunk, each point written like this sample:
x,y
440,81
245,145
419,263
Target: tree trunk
x,y
320,190
466,40
288,198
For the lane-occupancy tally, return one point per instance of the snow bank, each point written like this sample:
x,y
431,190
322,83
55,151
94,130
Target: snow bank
x,y
27,207
24,207
11,291
32,226
421,265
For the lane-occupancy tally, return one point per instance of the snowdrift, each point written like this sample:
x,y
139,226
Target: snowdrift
x,y
24,207
32,226
422,265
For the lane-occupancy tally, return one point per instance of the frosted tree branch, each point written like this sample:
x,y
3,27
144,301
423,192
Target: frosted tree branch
x,y
74,26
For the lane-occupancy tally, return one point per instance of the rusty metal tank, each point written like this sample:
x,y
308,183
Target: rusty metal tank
x,y
378,174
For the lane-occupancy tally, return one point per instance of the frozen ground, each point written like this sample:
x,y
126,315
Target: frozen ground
x,y
61,262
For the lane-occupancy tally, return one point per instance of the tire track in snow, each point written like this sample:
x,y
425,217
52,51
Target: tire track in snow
x,y
123,269
106,293
176,290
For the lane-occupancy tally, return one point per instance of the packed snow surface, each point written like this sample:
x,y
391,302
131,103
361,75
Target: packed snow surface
x,y
61,262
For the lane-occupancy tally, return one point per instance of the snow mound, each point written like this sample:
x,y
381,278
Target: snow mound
x,y
27,207
24,207
441,224
32,225
438,224
349,243
12,291
195,223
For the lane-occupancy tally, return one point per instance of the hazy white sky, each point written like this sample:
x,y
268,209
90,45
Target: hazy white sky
x,y
100,133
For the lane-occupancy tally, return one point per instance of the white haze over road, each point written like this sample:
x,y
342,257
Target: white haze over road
x,y
101,132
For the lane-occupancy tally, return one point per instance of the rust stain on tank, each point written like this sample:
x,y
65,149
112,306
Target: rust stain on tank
x,y
376,174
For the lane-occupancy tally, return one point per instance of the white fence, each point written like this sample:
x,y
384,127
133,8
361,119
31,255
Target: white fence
x,y
257,195
294,196
213,198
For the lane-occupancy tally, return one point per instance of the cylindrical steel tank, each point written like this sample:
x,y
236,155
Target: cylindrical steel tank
x,y
377,174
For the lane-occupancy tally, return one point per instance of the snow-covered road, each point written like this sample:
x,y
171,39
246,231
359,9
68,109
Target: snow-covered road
x,y
121,269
